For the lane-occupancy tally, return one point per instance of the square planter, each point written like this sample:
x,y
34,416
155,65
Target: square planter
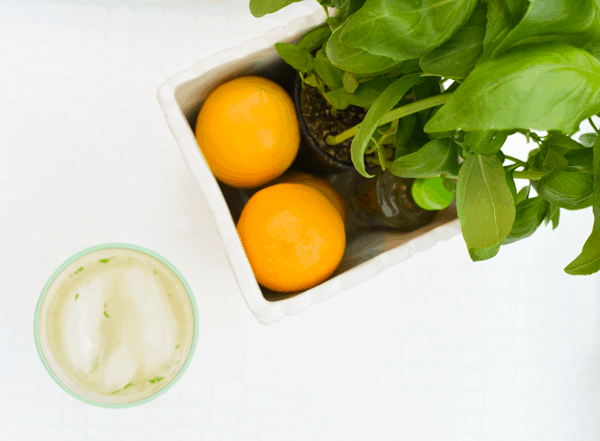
x,y
366,253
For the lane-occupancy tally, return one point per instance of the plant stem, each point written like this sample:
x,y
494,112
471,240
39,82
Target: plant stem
x,y
515,160
593,126
529,174
398,113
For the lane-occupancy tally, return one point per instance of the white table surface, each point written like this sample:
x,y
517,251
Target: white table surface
x,y
436,348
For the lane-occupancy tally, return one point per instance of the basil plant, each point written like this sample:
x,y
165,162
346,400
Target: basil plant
x,y
446,82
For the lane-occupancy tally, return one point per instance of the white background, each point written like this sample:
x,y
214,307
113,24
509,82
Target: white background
x,y
436,348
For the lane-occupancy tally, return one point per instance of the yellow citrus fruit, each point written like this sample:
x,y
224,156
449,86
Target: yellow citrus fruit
x,y
248,131
328,190
293,236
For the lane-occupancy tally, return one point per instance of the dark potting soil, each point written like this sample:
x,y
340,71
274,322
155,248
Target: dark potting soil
x,y
322,123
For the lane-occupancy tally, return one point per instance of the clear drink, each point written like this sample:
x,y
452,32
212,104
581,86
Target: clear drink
x,y
116,326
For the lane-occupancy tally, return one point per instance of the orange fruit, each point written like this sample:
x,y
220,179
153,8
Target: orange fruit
x,y
293,237
248,131
328,190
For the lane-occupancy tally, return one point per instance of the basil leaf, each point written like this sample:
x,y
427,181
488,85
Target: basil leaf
x,y
405,131
550,87
517,8
403,30
555,20
457,56
356,61
486,142
530,214
554,161
553,215
499,23
350,83
481,254
258,8
484,202
588,262
426,87
382,105
434,158
580,160
588,139
523,193
559,143
348,7
327,71
314,39
366,93
565,189
510,180
580,206
297,57
339,97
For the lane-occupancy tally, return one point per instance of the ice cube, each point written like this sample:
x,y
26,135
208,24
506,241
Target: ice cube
x,y
83,324
119,368
151,323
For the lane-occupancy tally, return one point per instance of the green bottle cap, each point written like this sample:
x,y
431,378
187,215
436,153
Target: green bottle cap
x,y
431,194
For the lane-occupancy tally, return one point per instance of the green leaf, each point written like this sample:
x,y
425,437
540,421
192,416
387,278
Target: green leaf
x,y
425,88
580,160
588,262
530,214
366,93
350,83
499,23
403,30
434,158
550,87
297,57
348,7
555,21
258,8
356,61
588,139
339,97
523,193
565,189
457,56
554,161
484,202
517,8
315,38
584,204
312,80
331,75
406,128
481,254
552,215
510,180
486,142
382,105
431,194
449,183
559,143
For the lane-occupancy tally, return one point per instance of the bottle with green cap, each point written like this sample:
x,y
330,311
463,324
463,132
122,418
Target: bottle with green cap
x,y
387,201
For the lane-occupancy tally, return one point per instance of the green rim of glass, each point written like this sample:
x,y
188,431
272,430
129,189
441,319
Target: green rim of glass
x,y
128,247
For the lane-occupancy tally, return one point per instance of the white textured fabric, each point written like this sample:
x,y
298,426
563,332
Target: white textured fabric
x,y
435,348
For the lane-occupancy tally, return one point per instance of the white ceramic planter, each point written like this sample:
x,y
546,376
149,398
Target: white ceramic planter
x,y
366,255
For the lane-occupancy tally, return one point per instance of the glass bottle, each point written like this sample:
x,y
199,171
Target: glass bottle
x,y
384,201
